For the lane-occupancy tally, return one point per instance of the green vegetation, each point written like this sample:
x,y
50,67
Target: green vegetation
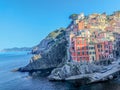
x,y
55,33
73,16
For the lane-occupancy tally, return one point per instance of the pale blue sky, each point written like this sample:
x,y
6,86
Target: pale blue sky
x,y
26,22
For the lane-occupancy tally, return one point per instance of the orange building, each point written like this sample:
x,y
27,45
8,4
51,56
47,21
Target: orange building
x,y
82,25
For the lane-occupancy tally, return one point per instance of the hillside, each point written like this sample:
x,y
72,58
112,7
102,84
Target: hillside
x,y
49,53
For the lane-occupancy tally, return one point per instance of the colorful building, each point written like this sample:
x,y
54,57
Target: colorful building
x,y
79,49
95,37
92,52
104,50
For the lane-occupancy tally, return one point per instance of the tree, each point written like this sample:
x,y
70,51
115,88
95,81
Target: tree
x,y
73,16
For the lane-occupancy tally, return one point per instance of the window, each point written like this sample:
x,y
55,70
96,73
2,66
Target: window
x,y
82,53
106,46
78,33
93,58
80,58
82,48
78,48
78,42
98,46
78,53
87,53
92,47
85,26
93,52
86,47
89,47
106,51
98,50
73,48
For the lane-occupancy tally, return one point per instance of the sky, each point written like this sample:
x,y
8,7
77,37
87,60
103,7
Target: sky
x,y
24,23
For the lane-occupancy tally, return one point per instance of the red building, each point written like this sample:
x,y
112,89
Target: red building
x,y
79,49
104,50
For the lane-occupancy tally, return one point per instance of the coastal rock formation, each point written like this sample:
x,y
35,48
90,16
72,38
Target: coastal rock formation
x,y
50,53
72,69
80,51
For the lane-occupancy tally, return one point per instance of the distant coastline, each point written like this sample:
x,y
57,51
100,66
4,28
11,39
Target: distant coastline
x,y
16,49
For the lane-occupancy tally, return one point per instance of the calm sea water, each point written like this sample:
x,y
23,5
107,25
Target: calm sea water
x,y
21,81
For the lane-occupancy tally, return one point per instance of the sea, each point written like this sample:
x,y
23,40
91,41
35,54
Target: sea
x,y
22,81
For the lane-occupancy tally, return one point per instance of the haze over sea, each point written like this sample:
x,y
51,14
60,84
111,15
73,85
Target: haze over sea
x,y
21,81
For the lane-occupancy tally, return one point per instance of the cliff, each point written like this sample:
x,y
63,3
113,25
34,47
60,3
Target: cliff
x,y
50,53
52,39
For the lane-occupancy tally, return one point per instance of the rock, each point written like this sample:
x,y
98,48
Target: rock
x,y
15,70
49,54
72,69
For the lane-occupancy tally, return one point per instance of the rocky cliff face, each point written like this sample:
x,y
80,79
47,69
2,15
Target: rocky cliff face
x,y
52,39
50,53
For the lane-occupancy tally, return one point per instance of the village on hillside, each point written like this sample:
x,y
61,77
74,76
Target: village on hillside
x,y
87,51
94,37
